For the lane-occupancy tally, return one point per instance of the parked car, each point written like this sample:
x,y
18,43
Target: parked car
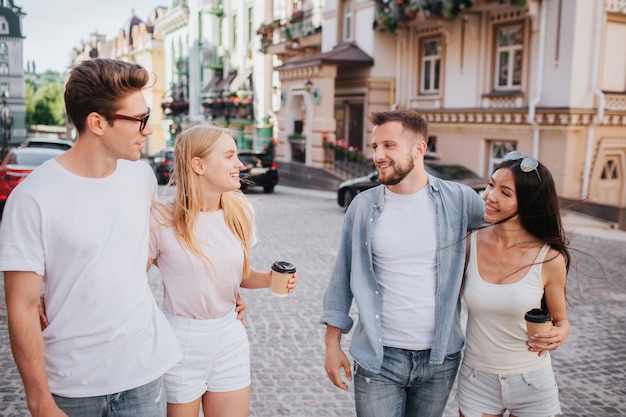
x,y
17,164
454,172
52,143
260,170
163,164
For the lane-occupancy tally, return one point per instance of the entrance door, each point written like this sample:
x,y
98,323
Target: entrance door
x,y
355,125
610,187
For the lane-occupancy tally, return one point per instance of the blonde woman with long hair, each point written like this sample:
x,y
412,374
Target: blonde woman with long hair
x,y
201,242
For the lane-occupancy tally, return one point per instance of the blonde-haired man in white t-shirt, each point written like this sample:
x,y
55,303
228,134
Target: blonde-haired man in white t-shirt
x,y
80,225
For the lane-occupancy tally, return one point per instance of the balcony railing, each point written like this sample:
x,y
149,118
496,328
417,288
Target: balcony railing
x,y
391,14
301,24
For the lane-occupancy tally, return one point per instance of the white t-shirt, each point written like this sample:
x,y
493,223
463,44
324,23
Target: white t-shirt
x,y
190,290
404,251
88,237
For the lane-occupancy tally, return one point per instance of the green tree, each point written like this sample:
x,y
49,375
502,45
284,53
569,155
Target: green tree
x,y
48,107
30,88
44,98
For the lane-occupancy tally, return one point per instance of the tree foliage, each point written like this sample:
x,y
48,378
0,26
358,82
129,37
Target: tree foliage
x,y
44,100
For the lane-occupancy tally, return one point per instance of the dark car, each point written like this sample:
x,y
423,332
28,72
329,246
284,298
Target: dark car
x,y
51,143
454,172
163,164
259,170
17,164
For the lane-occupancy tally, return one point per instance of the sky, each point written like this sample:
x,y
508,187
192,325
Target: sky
x,y
52,28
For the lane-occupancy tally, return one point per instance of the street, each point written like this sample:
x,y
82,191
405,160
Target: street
x,y
287,342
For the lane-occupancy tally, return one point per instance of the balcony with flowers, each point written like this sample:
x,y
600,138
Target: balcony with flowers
x,y
392,14
298,35
175,102
230,107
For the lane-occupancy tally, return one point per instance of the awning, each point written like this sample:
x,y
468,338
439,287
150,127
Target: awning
x,y
342,55
240,79
212,85
225,83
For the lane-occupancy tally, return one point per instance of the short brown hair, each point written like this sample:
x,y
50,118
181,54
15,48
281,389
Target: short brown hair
x,y
98,85
412,122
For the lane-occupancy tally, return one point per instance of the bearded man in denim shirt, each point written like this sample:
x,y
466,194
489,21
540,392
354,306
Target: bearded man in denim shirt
x,y
401,258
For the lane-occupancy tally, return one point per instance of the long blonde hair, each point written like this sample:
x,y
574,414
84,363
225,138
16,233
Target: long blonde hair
x,y
199,141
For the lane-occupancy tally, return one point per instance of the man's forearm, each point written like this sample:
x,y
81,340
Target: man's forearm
x,y
333,336
22,295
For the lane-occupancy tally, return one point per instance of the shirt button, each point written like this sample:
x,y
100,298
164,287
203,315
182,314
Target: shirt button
x,y
377,316
376,292
371,220
380,340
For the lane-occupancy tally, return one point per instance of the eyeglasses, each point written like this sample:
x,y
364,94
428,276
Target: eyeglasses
x,y
528,164
143,121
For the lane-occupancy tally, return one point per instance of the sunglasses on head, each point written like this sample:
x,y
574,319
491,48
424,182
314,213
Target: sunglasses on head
x,y
527,164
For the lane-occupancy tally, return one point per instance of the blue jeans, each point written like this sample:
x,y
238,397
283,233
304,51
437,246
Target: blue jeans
x,y
145,401
407,385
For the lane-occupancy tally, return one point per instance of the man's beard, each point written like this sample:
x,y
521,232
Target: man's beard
x,y
399,173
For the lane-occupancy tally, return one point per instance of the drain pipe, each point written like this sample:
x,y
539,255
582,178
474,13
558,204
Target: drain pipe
x,y
540,59
400,47
600,95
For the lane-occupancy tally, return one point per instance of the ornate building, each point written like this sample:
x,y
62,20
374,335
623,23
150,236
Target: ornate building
x,y
139,42
12,93
545,77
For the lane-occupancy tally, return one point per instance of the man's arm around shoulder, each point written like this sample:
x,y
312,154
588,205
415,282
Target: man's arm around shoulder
x,y
22,297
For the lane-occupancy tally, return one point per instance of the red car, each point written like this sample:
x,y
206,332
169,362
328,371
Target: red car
x,y
17,164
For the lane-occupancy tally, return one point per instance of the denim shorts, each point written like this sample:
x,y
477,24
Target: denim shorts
x,y
533,394
144,401
216,358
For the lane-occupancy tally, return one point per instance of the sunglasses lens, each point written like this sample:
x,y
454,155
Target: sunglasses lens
x,y
528,164
144,121
513,155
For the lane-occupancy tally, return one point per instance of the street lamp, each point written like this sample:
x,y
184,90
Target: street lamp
x,y
6,120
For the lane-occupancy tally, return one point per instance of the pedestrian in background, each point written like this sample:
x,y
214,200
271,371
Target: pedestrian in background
x,y
201,241
80,224
513,265
401,258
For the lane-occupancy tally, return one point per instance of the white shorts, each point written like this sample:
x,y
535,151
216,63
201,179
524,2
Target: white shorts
x,y
216,358
533,394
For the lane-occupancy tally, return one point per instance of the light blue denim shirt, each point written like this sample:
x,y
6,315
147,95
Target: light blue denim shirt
x,y
458,209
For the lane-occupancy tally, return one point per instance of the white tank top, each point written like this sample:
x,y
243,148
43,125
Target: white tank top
x,y
496,329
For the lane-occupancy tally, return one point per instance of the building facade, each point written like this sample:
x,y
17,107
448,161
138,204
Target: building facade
x,y
212,66
546,77
141,43
12,90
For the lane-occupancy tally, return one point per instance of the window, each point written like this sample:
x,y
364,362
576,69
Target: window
x,y
4,68
347,21
431,66
4,52
4,26
510,40
497,150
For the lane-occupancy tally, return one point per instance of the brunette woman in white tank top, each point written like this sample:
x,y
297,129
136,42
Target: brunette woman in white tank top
x,y
517,264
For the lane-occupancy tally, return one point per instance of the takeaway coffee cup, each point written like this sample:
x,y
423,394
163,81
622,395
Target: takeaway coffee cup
x,y
537,321
281,273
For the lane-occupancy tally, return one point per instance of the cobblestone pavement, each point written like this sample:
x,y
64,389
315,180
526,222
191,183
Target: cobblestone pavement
x,y
287,341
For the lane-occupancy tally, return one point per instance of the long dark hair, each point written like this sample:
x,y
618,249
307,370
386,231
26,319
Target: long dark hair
x,y
538,205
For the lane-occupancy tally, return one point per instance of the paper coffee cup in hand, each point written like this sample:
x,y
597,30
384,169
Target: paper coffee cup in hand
x,y
537,321
281,273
